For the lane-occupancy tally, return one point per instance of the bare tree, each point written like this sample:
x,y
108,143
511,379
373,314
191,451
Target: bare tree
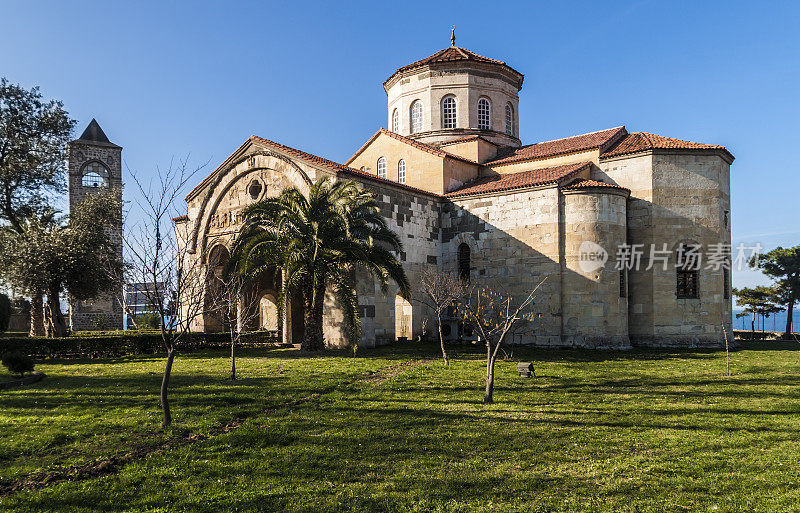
x,y
493,315
440,291
124,303
161,261
232,303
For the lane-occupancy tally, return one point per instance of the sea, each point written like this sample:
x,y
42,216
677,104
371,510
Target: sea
x,y
775,322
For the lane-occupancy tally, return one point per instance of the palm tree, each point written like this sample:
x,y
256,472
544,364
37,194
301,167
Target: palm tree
x,y
319,243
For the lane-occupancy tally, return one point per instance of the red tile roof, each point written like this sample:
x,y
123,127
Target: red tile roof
x,y
594,140
642,141
313,159
589,184
340,168
411,142
454,54
534,177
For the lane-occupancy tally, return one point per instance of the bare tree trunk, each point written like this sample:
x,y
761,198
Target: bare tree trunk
x,y
165,412
789,312
234,338
727,354
441,337
56,325
488,395
37,316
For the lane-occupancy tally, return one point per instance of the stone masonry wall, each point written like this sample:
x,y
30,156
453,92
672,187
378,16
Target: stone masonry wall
x,y
595,313
514,243
676,198
415,217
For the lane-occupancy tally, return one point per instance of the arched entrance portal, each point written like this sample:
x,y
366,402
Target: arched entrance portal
x,y
218,258
265,293
403,317
268,313
258,307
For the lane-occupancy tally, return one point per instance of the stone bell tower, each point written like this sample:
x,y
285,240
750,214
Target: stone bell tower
x,y
95,163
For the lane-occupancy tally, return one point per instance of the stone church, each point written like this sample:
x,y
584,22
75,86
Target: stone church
x,y
466,196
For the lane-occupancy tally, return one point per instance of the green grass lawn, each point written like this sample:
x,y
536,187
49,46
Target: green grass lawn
x,y
594,431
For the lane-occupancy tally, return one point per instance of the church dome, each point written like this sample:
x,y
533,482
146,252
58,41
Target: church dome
x,y
452,94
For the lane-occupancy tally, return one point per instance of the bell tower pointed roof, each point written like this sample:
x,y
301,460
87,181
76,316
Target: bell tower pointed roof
x,y
94,134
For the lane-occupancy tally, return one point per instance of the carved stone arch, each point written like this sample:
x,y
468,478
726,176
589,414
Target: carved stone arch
x,y
465,238
456,242
219,186
205,219
219,253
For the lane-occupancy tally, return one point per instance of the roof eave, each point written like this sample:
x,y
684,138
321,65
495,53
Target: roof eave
x,y
95,143
364,146
199,187
723,153
400,72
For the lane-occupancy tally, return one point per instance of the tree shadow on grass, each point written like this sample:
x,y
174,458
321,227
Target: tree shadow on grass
x,y
398,351
429,350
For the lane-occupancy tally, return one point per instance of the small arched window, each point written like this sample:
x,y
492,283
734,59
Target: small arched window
x,y
381,167
463,261
95,175
509,119
395,121
401,171
416,117
364,168
449,112
484,114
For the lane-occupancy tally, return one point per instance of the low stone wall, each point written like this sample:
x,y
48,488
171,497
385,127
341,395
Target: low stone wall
x,y
763,335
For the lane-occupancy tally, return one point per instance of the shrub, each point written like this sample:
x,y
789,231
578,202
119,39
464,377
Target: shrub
x,y
148,321
96,344
5,312
17,363
100,321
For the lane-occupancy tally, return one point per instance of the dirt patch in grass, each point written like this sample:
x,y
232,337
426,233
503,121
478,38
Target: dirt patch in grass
x,y
391,371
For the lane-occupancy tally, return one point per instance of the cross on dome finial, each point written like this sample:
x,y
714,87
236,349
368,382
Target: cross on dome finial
x,y
453,35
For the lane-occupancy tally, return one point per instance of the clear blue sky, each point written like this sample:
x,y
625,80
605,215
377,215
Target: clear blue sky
x,y
175,78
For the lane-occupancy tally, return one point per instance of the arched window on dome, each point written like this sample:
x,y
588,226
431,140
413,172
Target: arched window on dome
x,y
381,167
509,119
416,117
95,175
449,112
484,114
401,171
395,121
